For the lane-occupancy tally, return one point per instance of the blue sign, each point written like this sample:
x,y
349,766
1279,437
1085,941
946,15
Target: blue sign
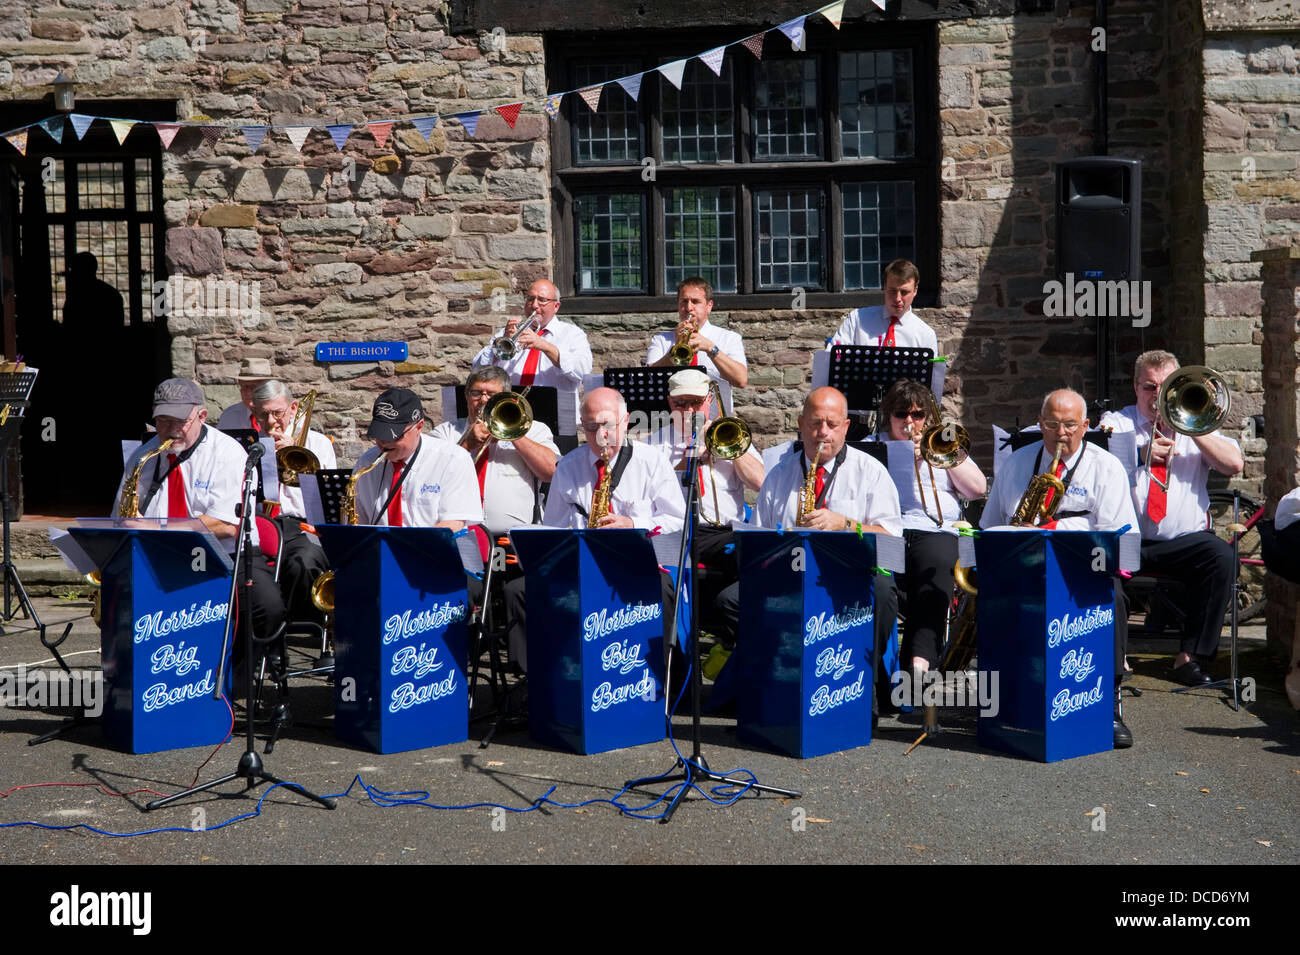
x,y
161,629
1047,641
400,636
595,638
807,630
361,351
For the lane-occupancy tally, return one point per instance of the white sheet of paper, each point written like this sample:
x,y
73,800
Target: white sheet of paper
x,y
566,411
74,558
470,557
668,548
270,472
128,449
891,552
311,502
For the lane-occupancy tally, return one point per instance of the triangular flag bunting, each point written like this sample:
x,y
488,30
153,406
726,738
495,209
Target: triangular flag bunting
x,y
381,132
754,44
470,122
632,85
211,134
81,123
297,135
591,96
835,12
510,113
254,136
552,105
18,141
339,133
794,30
120,128
673,72
713,59
424,125
879,3
167,132
54,127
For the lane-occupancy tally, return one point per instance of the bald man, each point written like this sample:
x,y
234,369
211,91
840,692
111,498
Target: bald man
x,y
552,353
1096,498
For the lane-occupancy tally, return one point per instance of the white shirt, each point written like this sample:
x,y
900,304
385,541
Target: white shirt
x,y
915,516
236,416
1098,487
648,492
213,476
860,489
510,487
1187,499
575,361
441,486
1288,510
730,499
729,343
291,497
867,326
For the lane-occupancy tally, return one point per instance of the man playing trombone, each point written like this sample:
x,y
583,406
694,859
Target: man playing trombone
x,y
1171,499
543,351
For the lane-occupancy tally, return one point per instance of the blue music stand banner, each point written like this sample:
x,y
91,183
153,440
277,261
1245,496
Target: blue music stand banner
x,y
1046,636
595,637
163,604
399,636
807,632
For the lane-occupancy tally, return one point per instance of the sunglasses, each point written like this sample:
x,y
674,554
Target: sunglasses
x,y
914,415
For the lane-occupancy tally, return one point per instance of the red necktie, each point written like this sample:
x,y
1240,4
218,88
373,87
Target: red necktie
x,y
1051,491
821,486
1156,497
600,477
888,340
530,366
255,426
177,506
481,467
395,501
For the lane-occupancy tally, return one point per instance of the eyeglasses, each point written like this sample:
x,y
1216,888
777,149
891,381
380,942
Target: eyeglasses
x,y
1062,425
266,414
167,421
914,415
479,395
686,402
540,298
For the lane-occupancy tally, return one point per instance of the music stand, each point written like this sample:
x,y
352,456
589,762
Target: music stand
x,y
333,483
15,397
543,399
1021,439
865,372
645,389
245,436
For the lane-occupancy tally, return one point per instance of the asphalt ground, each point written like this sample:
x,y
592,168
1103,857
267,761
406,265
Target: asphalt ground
x,y
1203,785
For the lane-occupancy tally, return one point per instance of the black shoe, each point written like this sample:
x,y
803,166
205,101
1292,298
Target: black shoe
x,y
1123,735
1190,674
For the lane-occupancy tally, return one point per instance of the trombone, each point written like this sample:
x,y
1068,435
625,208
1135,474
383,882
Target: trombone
x,y
1193,401
943,446
508,417
296,459
727,439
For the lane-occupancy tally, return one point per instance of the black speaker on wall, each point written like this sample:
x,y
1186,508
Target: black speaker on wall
x,y
1099,218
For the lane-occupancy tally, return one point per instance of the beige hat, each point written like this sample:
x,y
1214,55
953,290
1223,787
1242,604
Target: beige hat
x,y
255,369
689,381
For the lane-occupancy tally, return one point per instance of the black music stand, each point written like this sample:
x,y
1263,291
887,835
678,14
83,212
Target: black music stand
x,y
333,483
865,372
543,399
877,449
645,389
15,398
1021,439
245,436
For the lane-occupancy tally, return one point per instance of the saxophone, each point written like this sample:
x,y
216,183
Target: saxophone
x,y
129,505
322,588
1043,496
808,493
600,498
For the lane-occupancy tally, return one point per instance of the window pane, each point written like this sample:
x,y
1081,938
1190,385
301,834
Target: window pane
x,y
879,226
698,118
876,110
99,186
612,133
55,201
700,237
143,185
789,234
785,110
609,244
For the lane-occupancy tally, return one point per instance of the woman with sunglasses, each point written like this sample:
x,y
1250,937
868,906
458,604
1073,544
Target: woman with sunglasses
x,y
930,509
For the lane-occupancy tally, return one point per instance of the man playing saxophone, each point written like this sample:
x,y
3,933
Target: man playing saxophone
x,y
1096,497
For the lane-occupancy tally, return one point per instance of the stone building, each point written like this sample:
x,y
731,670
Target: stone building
x,y
928,129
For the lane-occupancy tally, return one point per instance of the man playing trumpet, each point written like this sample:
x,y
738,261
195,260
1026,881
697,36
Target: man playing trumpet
x,y
1173,517
718,351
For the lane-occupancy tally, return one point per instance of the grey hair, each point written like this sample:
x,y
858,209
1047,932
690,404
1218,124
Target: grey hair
x,y
270,390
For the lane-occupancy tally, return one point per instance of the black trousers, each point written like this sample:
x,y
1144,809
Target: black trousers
x,y
1203,563
268,609
925,594
302,560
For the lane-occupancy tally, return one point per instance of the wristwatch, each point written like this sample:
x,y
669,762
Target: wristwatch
x,y
713,352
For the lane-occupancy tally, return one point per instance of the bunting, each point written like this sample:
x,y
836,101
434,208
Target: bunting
x,y
54,128
552,105
754,44
470,122
254,135
297,135
879,3
424,125
835,12
167,132
591,96
211,134
793,29
632,85
673,72
18,141
510,113
381,132
339,133
80,123
713,59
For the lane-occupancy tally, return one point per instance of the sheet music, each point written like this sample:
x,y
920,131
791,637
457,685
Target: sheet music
x,y
74,558
128,449
891,552
821,368
270,471
668,548
470,556
311,502
966,550
1123,444
566,410
163,524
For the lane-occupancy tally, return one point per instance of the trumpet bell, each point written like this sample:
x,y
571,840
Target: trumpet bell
x,y
728,438
1194,400
504,349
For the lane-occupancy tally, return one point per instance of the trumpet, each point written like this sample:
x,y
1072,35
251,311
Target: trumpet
x,y
507,348
681,353
1043,496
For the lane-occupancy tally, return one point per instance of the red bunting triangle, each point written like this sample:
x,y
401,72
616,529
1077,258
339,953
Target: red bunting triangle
x,y
381,132
754,44
510,113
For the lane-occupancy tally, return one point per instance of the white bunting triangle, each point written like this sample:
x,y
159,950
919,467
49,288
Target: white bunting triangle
x,y
713,59
673,72
297,135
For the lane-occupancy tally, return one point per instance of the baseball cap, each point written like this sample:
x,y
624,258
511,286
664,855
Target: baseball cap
x,y
393,413
176,398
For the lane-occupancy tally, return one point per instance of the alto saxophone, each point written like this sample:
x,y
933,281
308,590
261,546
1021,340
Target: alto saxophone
x,y
600,498
322,588
129,505
1043,496
808,493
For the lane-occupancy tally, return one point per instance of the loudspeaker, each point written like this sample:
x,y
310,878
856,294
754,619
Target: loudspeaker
x,y
1099,218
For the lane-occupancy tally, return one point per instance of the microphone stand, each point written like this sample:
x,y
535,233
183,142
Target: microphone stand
x,y
250,767
690,772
